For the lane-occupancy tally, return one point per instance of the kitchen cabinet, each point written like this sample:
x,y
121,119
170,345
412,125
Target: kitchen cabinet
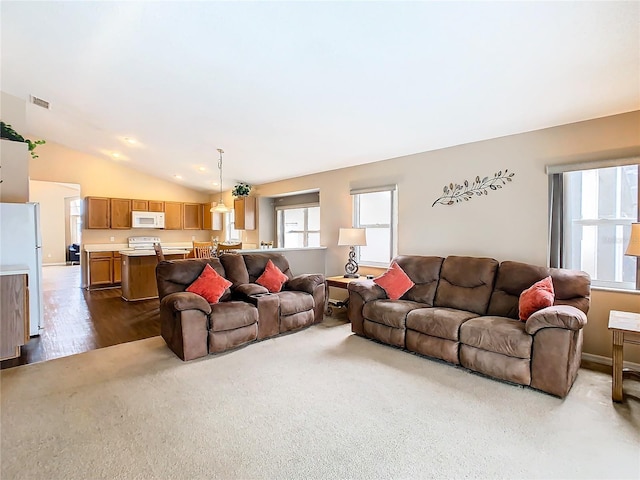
x,y
14,314
211,220
139,275
105,268
192,216
172,216
140,205
100,268
156,206
116,268
97,212
120,213
245,213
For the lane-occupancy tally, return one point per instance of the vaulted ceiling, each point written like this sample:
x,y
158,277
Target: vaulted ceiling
x,y
292,88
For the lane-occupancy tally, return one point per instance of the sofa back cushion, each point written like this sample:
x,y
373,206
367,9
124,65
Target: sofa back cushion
x,y
233,264
257,262
424,272
466,283
571,287
176,275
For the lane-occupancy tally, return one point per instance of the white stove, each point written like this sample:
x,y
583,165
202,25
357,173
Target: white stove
x,y
142,243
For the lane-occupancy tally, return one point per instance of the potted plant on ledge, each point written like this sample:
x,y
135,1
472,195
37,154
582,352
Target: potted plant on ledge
x,y
8,133
241,190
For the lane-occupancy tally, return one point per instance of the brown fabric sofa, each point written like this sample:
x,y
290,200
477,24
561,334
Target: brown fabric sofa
x,y
246,312
464,310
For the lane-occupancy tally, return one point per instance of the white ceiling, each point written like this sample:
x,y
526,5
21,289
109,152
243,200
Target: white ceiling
x,y
288,89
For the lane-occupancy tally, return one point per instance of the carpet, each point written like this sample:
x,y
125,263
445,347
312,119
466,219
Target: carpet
x,y
320,403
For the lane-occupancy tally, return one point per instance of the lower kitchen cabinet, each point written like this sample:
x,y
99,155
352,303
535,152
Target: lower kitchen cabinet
x,y
14,314
105,269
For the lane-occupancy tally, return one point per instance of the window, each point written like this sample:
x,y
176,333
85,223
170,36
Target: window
x,y
599,205
374,209
230,232
298,226
75,221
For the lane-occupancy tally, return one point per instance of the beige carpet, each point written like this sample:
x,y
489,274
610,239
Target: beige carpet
x,y
320,403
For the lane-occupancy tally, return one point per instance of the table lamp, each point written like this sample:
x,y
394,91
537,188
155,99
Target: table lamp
x,y
633,249
352,237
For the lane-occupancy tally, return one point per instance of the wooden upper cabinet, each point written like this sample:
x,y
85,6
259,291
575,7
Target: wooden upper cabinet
x,y
97,212
156,206
172,216
206,216
192,216
245,213
140,205
120,213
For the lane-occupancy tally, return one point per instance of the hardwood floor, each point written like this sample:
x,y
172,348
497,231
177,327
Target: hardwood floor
x,y
78,320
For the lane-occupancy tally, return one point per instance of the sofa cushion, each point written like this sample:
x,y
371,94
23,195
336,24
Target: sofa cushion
x,y
232,315
571,287
466,283
424,272
294,302
438,322
392,313
272,278
235,269
210,285
176,275
538,296
394,281
497,334
257,262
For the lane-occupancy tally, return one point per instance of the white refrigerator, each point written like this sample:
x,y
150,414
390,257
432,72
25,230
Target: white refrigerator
x,y
21,244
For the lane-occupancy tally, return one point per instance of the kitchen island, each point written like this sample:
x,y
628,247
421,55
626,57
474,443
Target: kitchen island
x,y
139,272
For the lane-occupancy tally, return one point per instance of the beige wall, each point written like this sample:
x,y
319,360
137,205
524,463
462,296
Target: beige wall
x,y
107,178
53,221
509,224
14,172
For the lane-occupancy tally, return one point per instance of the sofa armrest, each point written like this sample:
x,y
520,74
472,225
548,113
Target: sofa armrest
x,y
248,289
305,283
367,290
557,316
181,301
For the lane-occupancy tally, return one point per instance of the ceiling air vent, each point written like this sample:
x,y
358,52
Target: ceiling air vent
x,y
40,102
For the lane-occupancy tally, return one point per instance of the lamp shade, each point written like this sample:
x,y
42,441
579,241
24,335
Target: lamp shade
x,y
634,241
353,237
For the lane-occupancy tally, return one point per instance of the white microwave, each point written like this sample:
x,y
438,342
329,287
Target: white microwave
x,y
147,219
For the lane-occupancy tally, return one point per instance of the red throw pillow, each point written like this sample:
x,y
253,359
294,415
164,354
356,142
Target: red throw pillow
x,y
210,285
394,281
538,296
272,278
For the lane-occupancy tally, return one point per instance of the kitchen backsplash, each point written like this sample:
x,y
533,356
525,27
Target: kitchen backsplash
x,y
121,236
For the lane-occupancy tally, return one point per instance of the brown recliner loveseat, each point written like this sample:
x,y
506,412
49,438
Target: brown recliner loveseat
x,y
246,312
464,310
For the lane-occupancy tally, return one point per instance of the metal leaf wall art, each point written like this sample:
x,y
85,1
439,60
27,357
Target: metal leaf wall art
x,y
454,193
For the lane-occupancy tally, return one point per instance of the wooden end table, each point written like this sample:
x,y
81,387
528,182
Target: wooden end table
x,y
339,282
626,329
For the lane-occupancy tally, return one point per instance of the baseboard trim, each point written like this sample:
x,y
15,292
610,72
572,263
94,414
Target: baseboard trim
x,y
607,361
53,264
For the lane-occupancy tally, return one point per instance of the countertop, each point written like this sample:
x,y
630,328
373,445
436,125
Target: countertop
x,y
13,269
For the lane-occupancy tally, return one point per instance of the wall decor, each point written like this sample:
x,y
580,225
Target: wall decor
x,y
455,193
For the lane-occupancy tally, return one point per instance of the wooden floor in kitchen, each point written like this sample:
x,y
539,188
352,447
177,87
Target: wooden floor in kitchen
x,y
77,320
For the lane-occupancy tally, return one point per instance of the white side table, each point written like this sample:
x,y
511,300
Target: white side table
x,y
626,329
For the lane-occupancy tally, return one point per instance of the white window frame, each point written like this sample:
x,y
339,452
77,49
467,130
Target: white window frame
x,y
305,232
230,232
619,221
392,225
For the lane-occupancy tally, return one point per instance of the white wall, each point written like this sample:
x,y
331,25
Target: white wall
x,y
53,221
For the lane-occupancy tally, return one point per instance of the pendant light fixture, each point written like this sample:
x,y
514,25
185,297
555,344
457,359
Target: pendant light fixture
x,y
220,207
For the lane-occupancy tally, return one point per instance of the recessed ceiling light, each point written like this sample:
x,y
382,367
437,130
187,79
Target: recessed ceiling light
x,y
202,169
179,177
115,155
215,183
130,141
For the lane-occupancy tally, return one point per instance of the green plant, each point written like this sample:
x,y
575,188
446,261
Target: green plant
x,y
241,190
7,132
